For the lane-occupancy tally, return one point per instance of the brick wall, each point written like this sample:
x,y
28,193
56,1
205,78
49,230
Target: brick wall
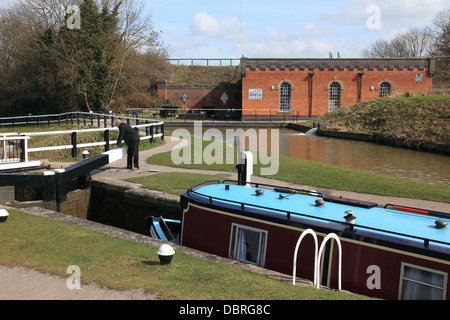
x,y
359,79
201,96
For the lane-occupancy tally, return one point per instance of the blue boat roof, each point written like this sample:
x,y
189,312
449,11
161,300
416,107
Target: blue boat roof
x,y
396,223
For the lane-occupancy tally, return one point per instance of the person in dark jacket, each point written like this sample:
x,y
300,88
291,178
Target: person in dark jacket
x,y
131,138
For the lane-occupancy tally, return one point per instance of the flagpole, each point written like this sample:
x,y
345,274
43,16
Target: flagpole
x,y
240,49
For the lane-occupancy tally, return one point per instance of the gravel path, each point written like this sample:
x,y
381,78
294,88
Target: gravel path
x,y
18,283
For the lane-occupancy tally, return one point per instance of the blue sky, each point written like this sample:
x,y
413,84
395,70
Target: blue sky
x,y
284,29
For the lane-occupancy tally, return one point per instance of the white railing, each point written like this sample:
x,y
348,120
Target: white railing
x,y
12,142
107,142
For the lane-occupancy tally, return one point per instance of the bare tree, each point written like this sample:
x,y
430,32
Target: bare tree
x,y
440,29
414,42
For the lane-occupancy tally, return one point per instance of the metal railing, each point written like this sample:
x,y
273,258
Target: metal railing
x,y
13,148
205,62
100,120
219,114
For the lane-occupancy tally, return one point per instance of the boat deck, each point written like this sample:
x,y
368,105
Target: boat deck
x,y
406,225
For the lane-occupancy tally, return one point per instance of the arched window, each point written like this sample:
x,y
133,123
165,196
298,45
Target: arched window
x,y
334,102
385,89
285,97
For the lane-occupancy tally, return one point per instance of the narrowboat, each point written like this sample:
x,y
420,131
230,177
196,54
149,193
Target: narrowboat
x,y
391,252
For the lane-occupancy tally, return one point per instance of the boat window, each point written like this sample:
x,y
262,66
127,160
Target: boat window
x,y
418,283
248,244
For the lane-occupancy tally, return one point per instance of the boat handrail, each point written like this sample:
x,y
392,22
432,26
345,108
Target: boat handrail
x,y
297,246
202,183
319,256
351,226
279,189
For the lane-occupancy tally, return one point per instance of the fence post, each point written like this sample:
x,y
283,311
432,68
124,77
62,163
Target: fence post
x,y
74,144
106,134
22,150
151,134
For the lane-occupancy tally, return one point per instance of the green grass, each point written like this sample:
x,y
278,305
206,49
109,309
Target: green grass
x,y
52,246
173,182
412,120
307,172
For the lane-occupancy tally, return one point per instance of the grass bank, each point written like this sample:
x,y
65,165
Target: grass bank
x,y
316,174
52,246
420,122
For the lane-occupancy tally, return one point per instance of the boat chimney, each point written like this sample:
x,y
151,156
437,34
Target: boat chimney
x,y
350,218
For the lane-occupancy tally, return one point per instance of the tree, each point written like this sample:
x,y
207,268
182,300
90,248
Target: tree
x,y
412,43
83,58
433,40
44,65
440,29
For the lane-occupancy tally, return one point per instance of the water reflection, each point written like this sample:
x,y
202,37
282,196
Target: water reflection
x,y
396,162
401,163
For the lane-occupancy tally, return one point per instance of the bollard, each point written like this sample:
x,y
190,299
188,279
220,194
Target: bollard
x,y
165,254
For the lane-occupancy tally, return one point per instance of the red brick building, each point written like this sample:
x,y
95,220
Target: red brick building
x,y
278,88
311,87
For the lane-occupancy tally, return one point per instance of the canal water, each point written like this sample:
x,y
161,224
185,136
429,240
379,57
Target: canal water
x,y
397,162
392,161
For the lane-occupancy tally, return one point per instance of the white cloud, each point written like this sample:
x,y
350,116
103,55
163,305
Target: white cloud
x,y
5,3
206,25
218,36
311,30
287,44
